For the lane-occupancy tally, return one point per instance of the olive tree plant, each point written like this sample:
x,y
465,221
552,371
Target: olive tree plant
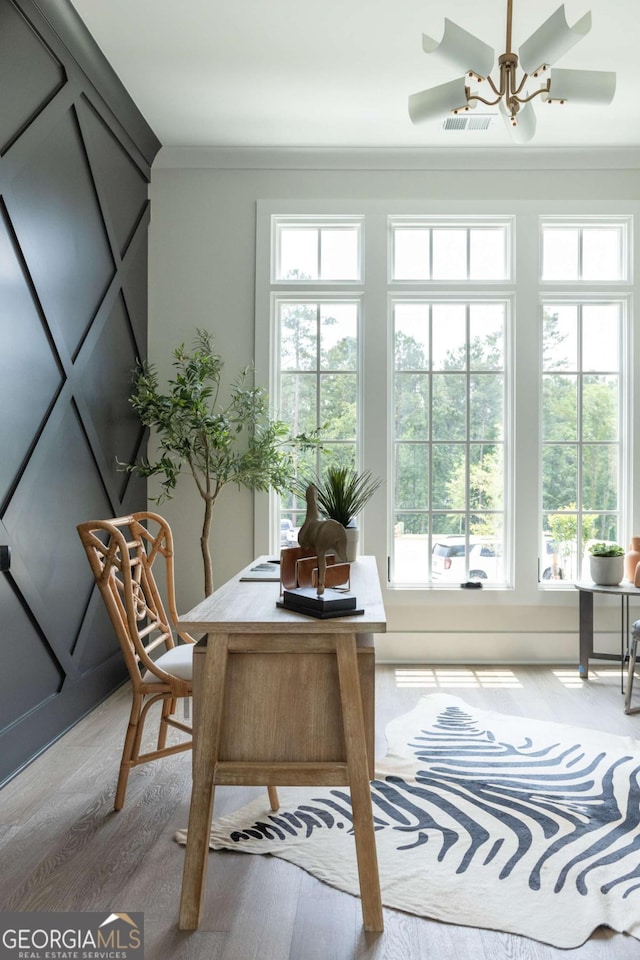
x,y
216,442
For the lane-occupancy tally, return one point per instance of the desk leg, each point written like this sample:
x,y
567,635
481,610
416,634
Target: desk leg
x,y
208,716
586,632
358,771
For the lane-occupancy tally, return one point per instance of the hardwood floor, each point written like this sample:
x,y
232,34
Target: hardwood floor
x,y
63,848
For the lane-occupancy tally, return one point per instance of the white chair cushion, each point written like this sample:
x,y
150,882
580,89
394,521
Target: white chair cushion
x,y
178,662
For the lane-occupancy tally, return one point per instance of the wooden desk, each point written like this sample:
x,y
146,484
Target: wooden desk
x,y
283,699
624,591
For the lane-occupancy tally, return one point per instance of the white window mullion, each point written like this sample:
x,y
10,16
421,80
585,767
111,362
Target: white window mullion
x,y
374,386
318,374
579,419
430,434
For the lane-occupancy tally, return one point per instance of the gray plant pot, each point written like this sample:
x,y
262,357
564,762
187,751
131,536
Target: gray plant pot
x,y
606,571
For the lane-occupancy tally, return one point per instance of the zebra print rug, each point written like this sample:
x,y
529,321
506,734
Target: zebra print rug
x,y
481,819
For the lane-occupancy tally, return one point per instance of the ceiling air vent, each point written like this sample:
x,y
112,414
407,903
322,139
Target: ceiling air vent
x,y
459,122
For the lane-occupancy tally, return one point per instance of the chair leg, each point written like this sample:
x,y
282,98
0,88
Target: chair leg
x,y
633,652
168,708
274,801
129,752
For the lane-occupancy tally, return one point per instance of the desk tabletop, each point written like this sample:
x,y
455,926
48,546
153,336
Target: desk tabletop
x,y
621,589
250,607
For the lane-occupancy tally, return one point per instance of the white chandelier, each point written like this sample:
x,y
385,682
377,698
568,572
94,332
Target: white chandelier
x,y
511,93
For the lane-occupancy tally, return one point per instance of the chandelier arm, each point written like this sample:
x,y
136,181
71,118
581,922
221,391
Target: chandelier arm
x,y
499,93
521,84
489,103
536,93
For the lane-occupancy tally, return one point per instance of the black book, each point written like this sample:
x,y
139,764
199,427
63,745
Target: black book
x,y
330,604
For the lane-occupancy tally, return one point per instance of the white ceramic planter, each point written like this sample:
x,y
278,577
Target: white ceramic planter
x,y
353,536
606,571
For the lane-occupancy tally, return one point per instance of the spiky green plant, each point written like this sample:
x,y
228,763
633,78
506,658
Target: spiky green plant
x,y
342,492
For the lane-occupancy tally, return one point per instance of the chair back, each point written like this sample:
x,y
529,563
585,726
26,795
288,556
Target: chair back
x,y
122,553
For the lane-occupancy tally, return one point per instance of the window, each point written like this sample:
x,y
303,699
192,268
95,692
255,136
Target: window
x,y
448,428
318,380
320,251
317,336
449,398
452,250
588,252
584,363
407,338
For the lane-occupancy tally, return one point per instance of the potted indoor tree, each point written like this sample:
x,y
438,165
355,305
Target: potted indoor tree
x,y
342,492
606,563
214,442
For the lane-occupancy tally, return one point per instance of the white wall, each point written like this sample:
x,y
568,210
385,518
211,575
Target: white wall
x,y
202,274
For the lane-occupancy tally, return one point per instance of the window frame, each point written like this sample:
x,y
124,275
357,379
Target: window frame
x,y
467,297
624,223
278,223
318,298
580,298
581,291
526,287
468,222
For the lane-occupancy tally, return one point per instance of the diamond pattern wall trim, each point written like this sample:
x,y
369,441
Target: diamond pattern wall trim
x,y
75,162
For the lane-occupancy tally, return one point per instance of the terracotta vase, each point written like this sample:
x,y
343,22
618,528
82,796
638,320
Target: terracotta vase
x,y
632,559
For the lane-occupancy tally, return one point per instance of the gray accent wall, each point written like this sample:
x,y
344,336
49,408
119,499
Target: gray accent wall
x,y
75,163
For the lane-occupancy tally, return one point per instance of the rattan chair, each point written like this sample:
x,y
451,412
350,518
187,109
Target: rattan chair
x,y
122,553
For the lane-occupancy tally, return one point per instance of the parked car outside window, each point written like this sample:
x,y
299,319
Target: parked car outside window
x,y
449,559
288,533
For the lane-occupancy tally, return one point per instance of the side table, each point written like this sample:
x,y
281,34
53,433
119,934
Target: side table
x,y
587,590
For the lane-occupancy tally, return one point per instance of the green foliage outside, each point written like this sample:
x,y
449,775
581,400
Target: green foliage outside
x,y
579,499
465,493
318,390
563,528
449,457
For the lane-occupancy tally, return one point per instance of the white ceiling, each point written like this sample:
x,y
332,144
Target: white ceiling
x,y
337,73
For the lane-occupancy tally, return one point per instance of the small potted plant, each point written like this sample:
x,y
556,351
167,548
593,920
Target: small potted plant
x,y
342,492
606,563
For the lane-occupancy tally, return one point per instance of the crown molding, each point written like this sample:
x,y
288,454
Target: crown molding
x,y
62,17
399,158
